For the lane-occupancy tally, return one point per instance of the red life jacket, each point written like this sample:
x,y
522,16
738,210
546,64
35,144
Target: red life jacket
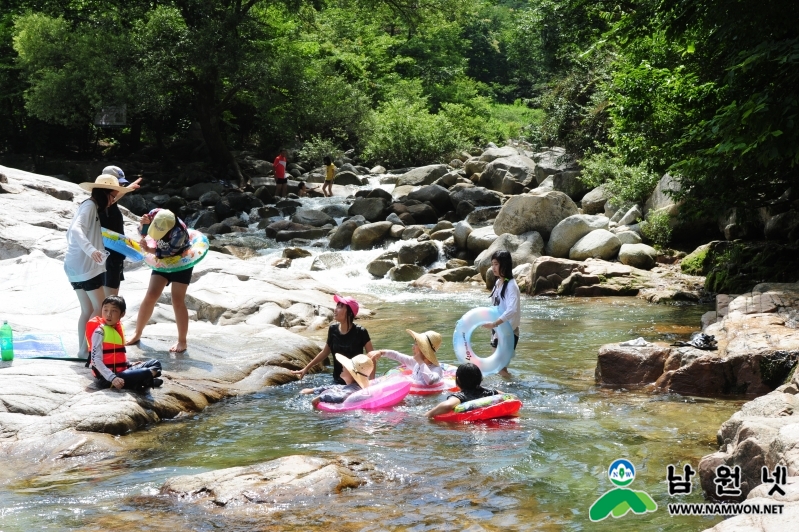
x,y
114,354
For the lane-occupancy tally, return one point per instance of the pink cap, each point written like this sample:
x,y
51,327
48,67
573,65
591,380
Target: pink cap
x,y
350,302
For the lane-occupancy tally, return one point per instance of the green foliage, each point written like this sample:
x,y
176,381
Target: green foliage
x,y
625,183
657,228
405,133
315,149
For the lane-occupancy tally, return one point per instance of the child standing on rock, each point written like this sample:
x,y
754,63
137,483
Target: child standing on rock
x,y
330,175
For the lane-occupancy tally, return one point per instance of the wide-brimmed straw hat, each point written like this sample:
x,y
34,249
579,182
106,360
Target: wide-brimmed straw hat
x,y
104,181
359,366
161,224
428,342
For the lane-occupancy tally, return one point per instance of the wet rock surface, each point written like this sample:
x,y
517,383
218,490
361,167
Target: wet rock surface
x,y
267,485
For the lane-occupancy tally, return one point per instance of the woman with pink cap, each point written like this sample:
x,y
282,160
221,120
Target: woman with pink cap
x,y
343,337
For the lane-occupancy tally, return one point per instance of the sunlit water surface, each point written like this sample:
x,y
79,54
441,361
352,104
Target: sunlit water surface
x,y
540,471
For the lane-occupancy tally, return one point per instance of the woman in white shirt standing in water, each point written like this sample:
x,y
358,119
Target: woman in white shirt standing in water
x,y
506,296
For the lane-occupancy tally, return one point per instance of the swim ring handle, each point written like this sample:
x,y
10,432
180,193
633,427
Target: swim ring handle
x,y
462,340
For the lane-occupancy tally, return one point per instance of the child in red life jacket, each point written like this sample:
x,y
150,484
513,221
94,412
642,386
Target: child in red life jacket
x,y
108,359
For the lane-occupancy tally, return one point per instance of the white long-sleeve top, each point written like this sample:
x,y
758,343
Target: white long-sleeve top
x,y
422,373
97,355
84,237
510,305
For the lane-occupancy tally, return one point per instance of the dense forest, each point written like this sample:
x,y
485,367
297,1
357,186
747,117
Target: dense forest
x,y
703,89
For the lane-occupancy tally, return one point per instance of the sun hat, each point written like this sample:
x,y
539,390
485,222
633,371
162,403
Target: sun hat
x,y
428,342
116,172
103,181
349,301
162,223
359,366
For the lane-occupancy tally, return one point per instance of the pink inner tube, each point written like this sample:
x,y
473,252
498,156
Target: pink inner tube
x,y
446,384
379,394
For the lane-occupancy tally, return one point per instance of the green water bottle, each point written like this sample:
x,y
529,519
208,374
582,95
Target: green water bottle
x,y
6,342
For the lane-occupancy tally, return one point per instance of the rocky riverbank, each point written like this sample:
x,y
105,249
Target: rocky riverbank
x,y
757,354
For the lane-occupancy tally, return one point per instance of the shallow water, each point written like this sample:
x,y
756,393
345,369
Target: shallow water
x,y
540,471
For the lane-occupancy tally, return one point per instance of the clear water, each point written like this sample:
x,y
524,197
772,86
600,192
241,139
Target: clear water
x,y
540,471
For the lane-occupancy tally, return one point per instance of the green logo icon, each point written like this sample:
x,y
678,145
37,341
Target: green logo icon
x,y
617,502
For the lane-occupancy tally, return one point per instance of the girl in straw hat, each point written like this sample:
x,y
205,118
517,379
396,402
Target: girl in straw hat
x,y
84,262
355,373
424,362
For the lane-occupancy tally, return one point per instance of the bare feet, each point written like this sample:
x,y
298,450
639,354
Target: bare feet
x,y
179,347
504,373
134,340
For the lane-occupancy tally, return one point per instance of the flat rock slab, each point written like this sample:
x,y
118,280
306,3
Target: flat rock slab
x,y
264,485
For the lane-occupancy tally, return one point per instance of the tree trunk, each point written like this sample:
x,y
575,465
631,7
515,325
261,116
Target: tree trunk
x,y
209,120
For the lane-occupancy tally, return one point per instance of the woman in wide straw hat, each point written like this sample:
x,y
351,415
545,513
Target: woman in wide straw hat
x,y
424,365
84,262
355,374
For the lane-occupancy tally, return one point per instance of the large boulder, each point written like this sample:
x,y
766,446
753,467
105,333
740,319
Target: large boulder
x,y
379,268
632,216
524,249
422,253
638,255
570,230
195,191
423,213
599,244
492,154
436,195
462,231
547,273
368,236
474,166
343,234
594,201
328,261
480,239
424,175
336,210
405,273
349,178
570,184
552,161
312,217
509,175
660,198
477,196
534,212
260,487
783,226
373,209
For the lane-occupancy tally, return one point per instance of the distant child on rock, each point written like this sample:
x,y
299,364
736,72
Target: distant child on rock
x,y
355,373
468,378
108,360
330,175
424,363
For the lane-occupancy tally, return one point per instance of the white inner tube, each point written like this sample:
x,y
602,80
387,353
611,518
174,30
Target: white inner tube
x,y
462,340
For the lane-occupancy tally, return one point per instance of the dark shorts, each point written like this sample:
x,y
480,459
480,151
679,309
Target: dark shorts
x,y
92,284
113,273
183,276
495,342
281,180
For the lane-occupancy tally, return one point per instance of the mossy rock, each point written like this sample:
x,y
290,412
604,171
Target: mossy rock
x,y
696,262
777,368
